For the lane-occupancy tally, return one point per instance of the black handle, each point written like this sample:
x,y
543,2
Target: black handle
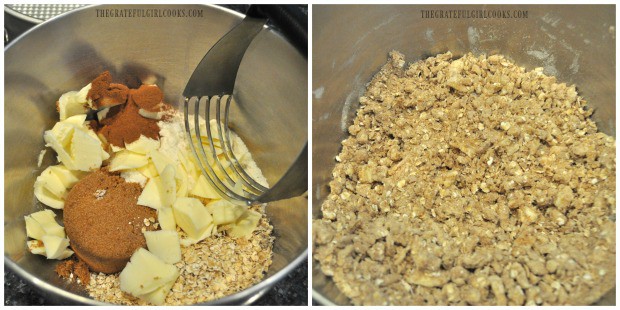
x,y
292,22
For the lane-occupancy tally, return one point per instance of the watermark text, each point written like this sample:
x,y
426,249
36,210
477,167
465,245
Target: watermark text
x,y
483,14
149,13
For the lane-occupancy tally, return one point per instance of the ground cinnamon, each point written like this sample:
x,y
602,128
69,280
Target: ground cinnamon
x,y
123,123
148,97
103,221
104,93
81,270
65,268
127,125
72,267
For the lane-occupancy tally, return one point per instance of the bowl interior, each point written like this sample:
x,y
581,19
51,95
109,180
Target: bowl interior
x,y
350,43
67,52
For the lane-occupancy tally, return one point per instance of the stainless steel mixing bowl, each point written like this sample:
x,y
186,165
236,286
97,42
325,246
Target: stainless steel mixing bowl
x,y
350,43
67,52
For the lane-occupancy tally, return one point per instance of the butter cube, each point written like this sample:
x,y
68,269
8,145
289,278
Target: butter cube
x,y
143,145
188,164
149,170
150,114
73,103
56,247
158,296
42,223
204,189
50,181
224,212
207,232
165,217
168,186
191,216
78,147
146,273
36,247
164,244
124,160
181,181
66,176
160,191
160,160
245,225
69,105
151,194
57,145
86,151
46,197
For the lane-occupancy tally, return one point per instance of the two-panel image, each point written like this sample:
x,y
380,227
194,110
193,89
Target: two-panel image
x,y
309,155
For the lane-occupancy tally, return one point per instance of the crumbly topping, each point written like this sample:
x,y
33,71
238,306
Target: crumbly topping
x,y
470,182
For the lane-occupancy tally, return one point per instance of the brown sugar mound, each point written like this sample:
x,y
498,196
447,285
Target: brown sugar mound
x,y
104,222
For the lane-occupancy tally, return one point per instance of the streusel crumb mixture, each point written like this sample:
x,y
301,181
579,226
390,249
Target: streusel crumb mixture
x,y
470,182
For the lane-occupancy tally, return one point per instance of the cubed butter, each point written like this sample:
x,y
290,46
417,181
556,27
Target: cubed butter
x,y
149,170
160,160
56,247
207,232
42,223
50,181
245,225
168,186
224,212
143,145
158,296
70,104
46,197
204,189
66,176
165,217
36,247
86,151
125,159
164,244
77,146
151,194
191,216
181,181
146,273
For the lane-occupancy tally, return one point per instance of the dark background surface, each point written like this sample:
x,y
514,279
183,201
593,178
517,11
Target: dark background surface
x,y
291,290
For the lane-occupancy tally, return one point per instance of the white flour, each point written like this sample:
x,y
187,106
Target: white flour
x,y
172,136
173,139
240,150
133,176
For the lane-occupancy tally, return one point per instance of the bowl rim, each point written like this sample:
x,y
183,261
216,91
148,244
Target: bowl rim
x,y
245,297
322,300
